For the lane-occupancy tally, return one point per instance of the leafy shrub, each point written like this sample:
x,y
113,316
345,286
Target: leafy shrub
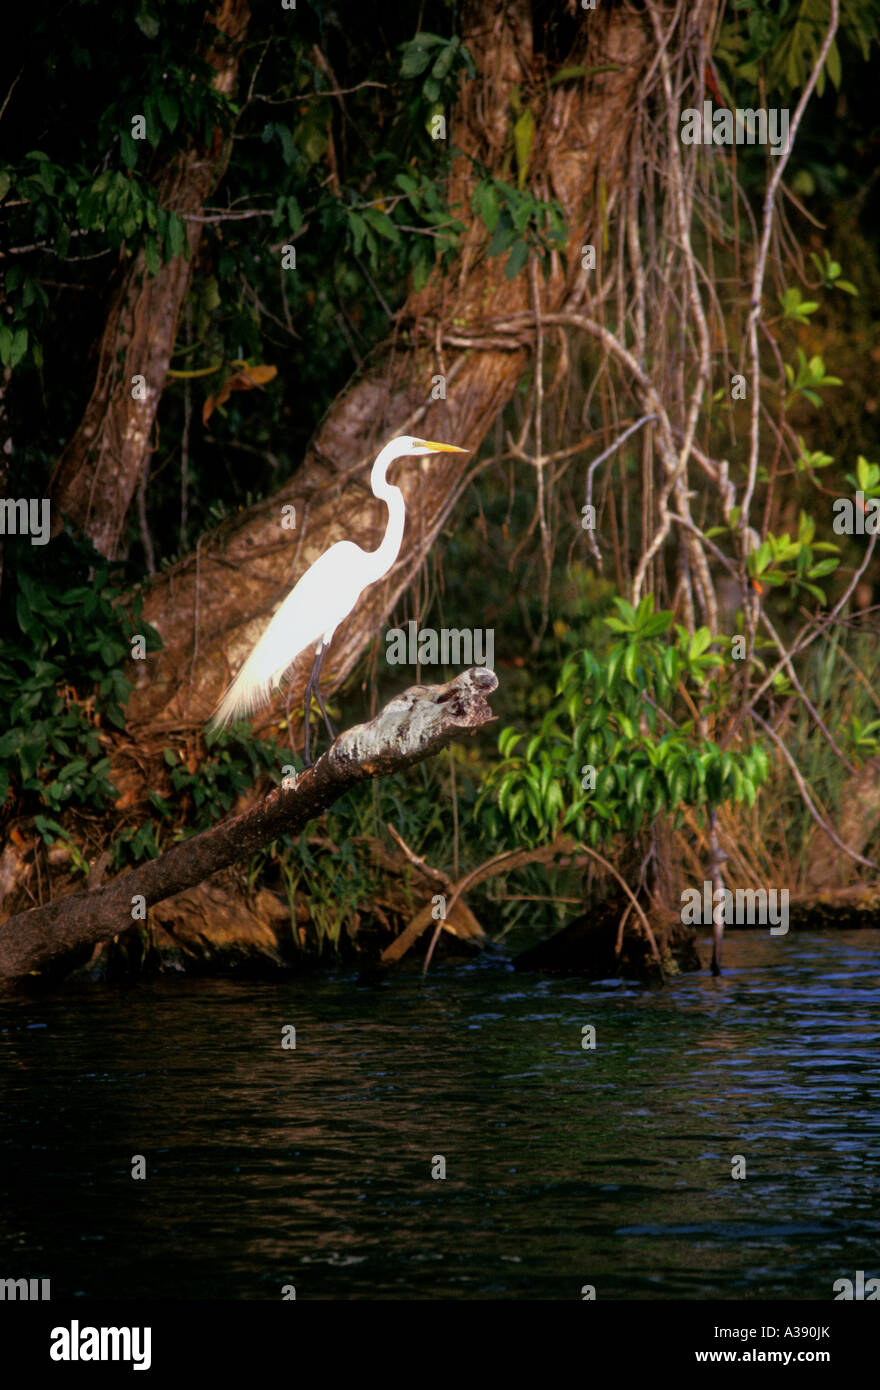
x,y
610,753
62,677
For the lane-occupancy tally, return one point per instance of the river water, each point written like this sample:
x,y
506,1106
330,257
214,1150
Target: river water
x,y
269,1167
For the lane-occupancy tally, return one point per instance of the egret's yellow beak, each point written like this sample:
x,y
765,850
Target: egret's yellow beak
x,y
441,448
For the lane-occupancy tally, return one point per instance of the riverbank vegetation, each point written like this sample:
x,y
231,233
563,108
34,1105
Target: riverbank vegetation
x,y
242,249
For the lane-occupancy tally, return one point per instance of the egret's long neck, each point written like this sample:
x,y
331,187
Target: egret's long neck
x,y
383,558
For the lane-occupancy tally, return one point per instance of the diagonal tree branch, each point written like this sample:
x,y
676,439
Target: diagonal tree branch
x,y
412,727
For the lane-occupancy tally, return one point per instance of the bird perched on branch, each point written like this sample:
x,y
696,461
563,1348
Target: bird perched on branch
x,y
319,601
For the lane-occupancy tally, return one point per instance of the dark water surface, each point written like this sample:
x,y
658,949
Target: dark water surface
x,y
564,1167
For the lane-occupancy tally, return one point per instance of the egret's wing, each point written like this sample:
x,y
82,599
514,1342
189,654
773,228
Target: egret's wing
x,y
316,605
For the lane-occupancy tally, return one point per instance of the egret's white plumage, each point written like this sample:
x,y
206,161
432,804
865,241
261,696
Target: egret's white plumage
x,y
325,594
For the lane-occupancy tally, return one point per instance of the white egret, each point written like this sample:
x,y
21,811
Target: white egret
x,y
319,601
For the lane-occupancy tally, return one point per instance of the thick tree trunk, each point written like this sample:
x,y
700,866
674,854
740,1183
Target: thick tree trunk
x,y
96,476
211,608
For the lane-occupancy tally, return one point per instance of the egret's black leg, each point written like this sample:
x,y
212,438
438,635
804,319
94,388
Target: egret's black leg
x,y
319,661
316,671
314,685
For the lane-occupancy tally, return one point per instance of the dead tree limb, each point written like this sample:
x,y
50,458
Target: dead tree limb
x,y
412,727
498,864
504,863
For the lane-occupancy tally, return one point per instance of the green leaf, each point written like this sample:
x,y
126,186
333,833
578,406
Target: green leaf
x,y
555,802
175,234
294,217
443,64
18,346
523,138
657,623
516,260
640,781
546,774
823,567
507,741
614,664
699,642
129,150
417,54
488,205
358,229
630,663
568,74
381,223
169,108
288,149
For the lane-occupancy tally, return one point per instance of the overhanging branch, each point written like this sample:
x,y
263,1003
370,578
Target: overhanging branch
x,y
412,727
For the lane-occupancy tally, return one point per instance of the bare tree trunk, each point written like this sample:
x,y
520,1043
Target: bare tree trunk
x,y
98,472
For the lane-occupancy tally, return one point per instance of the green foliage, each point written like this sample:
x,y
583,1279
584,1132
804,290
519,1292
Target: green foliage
x,y
604,760
63,685
763,56
69,208
779,40
61,679
795,307
830,272
51,833
806,377
133,844
194,797
334,866
520,223
418,204
811,459
66,209
866,478
779,560
237,759
864,739
446,58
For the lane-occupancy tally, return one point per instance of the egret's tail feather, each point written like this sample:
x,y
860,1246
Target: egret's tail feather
x,y
257,678
244,696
